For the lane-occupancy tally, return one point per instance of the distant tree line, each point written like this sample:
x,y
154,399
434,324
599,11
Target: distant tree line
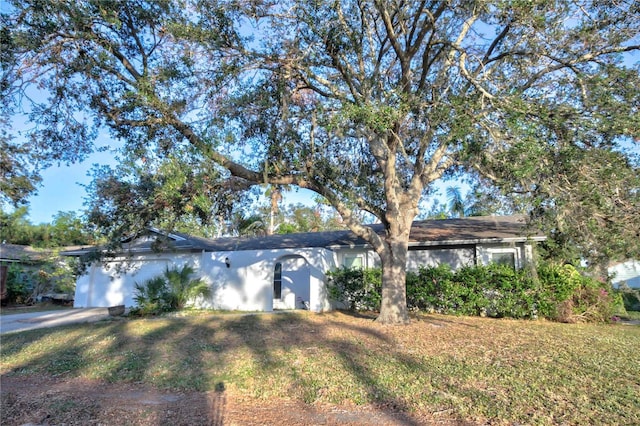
x,y
66,229
70,228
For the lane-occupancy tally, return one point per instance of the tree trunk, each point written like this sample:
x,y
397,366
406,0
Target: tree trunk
x,y
393,309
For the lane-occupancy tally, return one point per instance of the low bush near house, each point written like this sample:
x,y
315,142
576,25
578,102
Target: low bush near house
x,y
570,296
18,287
559,293
28,284
630,297
171,291
425,287
494,290
358,288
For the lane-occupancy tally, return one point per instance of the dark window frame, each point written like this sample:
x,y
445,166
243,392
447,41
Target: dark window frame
x,y
277,281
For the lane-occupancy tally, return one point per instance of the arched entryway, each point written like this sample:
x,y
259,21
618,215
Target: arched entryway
x,y
291,283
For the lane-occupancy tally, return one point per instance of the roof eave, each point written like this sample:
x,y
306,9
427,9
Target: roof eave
x,y
461,242
140,250
507,240
352,246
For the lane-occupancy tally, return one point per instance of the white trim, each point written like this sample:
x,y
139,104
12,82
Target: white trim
x,y
167,234
504,250
354,257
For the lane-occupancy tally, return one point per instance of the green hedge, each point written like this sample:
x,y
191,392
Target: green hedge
x,y
559,293
358,289
630,297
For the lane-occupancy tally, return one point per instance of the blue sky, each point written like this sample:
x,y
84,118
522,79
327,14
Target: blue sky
x,y
62,190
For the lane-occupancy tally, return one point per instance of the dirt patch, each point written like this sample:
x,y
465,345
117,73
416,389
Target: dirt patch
x,y
38,400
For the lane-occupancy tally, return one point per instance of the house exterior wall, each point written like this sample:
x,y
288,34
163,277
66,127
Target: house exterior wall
x,y
113,283
455,256
626,272
246,285
242,286
296,283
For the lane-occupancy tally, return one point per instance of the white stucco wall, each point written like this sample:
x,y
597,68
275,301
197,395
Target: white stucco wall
x,y
246,285
241,286
455,257
296,283
112,283
626,272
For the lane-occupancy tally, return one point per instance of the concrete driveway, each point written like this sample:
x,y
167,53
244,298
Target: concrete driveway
x,y
13,323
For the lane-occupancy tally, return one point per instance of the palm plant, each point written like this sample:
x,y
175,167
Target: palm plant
x,y
170,291
456,203
181,288
150,295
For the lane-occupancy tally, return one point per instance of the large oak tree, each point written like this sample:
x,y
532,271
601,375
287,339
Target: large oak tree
x,y
367,103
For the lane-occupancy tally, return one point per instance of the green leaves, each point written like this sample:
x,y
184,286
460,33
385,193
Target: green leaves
x,y
169,292
366,104
174,193
559,293
379,119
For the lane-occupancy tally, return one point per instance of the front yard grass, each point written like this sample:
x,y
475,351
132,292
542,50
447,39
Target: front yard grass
x,y
472,369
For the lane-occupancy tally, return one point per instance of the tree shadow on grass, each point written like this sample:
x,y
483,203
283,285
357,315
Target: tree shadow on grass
x,y
77,364
266,356
292,333
441,322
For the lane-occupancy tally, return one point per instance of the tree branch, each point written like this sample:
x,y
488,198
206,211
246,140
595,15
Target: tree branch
x,y
562,63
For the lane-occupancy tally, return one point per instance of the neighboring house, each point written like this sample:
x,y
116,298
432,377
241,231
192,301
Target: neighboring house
x,y
289,271
626,272
26,257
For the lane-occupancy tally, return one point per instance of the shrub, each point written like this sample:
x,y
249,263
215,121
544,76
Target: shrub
x,y
182,289
425,286
27,283
359,289
18,285
150,297
512,293
169,292
571,296
630,297
560,293
494,290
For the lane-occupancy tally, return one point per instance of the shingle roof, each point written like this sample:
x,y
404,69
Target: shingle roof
x,y
474,229
423,233
20,253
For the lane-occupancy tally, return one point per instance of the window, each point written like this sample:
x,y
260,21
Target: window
x,y
504,258
277,281
353,261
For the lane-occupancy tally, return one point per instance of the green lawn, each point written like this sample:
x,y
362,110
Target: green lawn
x,y
475,369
